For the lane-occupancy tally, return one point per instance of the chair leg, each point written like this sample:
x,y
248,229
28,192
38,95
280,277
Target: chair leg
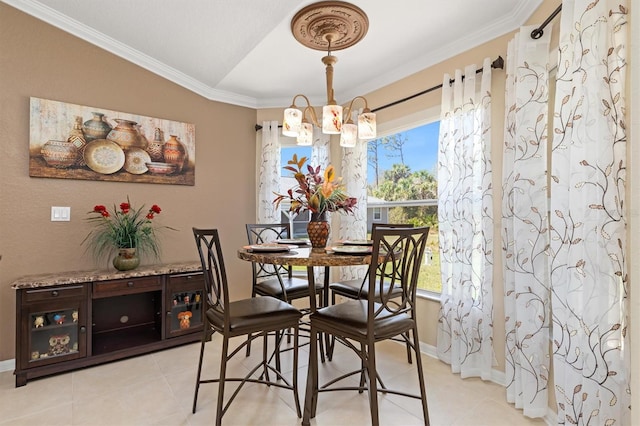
x,y
423,393
296,396
195,394
223,373
406,337
311,394
373,383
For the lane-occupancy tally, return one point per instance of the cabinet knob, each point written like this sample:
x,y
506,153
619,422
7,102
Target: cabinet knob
x,y
83,329
189,277
168,313
130,284
54,293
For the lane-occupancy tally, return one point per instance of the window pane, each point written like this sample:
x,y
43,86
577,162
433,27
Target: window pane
x,y
402,179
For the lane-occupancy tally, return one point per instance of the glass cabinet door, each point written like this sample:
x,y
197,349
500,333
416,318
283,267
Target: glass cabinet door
x,y
185,307
56,334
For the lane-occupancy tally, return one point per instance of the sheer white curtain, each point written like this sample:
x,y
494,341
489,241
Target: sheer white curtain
x,y
321,149
525,227
269,173
465,215
354,226
588,253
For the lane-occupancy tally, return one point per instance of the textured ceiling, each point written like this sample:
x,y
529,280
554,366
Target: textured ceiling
x,y
242,51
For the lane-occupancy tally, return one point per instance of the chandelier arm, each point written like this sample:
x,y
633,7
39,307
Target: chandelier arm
x,y
312,113
347,113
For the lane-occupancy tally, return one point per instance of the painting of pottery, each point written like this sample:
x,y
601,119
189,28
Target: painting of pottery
x,y
69,141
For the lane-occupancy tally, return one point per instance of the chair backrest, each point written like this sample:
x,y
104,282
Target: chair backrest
x,y
215,275
377,225
396,261
259,233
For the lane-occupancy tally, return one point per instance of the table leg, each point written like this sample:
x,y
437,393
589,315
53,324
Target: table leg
x,y
313,306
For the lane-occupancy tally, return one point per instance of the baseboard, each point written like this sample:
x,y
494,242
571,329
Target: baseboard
x,y
8,365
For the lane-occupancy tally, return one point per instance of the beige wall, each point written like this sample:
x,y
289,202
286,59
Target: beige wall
x,y
39,60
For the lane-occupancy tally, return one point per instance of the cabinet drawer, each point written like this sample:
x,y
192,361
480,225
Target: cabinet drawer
x,y
126,286
187,278
53,293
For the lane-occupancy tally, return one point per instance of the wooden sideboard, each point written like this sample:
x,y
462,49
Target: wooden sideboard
x,y
67,321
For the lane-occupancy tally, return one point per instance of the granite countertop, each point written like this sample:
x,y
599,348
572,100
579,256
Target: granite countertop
x,y
75,277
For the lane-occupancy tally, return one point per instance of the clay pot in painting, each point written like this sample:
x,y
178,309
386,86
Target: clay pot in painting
x,y
318,229
174,152
59,154
126,259
126,134
156,146
96,127
76,137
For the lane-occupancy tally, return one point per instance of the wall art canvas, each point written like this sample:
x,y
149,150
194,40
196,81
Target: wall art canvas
x,y
69,141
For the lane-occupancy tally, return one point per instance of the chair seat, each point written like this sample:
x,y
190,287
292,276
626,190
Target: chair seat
x,y
256,314
296,288
354,289
350,320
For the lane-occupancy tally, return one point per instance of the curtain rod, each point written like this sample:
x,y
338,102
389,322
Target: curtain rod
x,y
497,63
537,33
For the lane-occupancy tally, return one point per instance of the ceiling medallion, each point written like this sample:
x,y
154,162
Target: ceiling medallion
x,y
340,23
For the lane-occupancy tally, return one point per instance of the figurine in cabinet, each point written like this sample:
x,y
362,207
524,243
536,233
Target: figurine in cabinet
x,y
59,318
59,344
38,322
185,319
74,316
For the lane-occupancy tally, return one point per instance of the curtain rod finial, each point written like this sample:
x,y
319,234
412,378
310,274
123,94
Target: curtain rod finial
x,y
498,63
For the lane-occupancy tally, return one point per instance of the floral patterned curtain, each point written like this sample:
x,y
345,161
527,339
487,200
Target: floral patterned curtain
x,y
321,149
354,227
588,253
465,215
525,227
269,173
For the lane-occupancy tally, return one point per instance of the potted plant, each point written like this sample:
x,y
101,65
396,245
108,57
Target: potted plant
x,y
318,192
125,231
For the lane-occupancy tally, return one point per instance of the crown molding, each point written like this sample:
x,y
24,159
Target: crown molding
x,y
84,32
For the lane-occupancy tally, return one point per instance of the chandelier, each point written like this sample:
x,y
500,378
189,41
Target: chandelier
x,y
329,25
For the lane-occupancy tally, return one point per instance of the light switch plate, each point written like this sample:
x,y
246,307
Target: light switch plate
x,y
60,214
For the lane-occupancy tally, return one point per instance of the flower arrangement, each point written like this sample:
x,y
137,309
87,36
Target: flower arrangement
x,y
126,227
315,191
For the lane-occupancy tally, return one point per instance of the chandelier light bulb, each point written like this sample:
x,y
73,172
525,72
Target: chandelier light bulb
x,y
349,135
367,126
331,119
292,122
305,137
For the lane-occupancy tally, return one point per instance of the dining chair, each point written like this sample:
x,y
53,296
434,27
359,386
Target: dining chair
x,y
358,288
277,280
361,323
254,318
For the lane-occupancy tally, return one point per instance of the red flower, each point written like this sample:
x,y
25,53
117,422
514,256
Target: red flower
x,y
99,209
104,213
125,207
156,209
150,215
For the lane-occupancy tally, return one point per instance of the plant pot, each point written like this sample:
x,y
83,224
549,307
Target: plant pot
x,y
126,259
318,229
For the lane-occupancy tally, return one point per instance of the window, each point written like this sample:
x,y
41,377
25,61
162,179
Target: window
x,y
402,188
298,222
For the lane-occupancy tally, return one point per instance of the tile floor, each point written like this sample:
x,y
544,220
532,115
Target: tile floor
x,y
157,389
